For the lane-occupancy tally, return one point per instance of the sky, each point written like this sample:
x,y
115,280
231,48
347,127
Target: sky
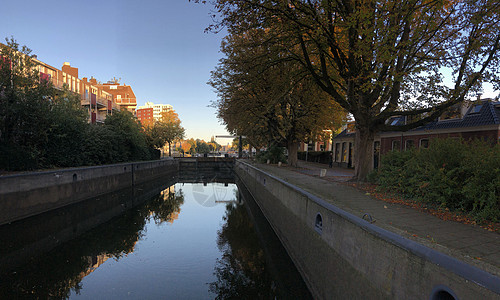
x,y
158,47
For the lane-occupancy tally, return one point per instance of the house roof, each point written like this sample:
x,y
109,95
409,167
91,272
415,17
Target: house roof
x,y
344,134
489,114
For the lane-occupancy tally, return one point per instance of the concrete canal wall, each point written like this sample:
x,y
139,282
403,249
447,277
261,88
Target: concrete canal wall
x,y
341,256
28,194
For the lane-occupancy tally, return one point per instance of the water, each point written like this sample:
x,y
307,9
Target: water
x,y
176,241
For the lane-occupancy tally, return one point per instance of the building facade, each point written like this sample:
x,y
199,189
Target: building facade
x,y
123,94
479,120
149,113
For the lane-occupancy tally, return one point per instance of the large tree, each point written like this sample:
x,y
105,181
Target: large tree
x,y
268,99
167,130
380,59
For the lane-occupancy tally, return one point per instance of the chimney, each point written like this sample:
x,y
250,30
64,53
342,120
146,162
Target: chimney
x,y
93,80
84,79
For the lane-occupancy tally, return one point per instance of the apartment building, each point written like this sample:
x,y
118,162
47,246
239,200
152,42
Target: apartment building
x,y
99,99
151,112
123,94
145,116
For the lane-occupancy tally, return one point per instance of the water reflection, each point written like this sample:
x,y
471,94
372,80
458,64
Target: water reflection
x,y
241,271
186,241
56,273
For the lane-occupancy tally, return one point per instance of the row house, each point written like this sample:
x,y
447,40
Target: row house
x,y
479,120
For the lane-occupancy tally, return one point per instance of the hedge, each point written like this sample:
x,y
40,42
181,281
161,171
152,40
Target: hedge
x,y
451,173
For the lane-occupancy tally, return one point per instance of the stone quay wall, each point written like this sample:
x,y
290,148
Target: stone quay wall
x,y
340,255
28,194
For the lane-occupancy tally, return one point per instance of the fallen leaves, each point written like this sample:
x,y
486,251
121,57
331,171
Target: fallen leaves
x,y
444,214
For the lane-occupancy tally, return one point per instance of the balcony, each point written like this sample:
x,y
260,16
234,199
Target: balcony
x,y
127,101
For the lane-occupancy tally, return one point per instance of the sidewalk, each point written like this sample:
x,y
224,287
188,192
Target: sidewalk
x,y
469,243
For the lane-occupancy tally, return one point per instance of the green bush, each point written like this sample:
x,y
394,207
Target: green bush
x,y
274,154
452,174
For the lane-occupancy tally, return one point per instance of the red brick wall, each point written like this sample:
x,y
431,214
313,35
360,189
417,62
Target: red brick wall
x,y
386,143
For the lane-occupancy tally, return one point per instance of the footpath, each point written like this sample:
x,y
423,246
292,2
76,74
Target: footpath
x,y
468,243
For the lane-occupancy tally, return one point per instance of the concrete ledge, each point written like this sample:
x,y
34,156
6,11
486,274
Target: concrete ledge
x,y
386,265
28,194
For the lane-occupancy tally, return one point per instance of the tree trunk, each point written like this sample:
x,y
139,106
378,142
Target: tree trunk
x,y
363,144
169,150
292,153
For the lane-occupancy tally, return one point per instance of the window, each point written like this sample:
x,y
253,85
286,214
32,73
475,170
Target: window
x,y
409,144
476,109
344,152
424,143
337,152
396,145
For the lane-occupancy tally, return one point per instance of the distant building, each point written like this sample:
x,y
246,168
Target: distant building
x,y
145,116
151,112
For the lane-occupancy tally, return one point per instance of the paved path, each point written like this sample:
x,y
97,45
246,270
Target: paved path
x,y
469,243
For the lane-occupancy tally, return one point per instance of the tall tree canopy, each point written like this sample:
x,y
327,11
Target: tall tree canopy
x,y
266,98
379,59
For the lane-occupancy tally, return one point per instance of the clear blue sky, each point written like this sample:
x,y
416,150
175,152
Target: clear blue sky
x,y
158,47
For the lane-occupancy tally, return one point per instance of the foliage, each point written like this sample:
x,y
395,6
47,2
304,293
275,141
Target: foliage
x,y
378,59
167,130
269,103
450,174
274,154
202,147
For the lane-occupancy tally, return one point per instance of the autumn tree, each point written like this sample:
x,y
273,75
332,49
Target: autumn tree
x,y
167,130
380,59
268,99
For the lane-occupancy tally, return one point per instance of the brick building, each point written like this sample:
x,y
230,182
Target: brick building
x,y
479,120
123,94
145,116
149,113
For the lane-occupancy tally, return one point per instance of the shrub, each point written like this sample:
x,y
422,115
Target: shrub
x,y
451,174
274,154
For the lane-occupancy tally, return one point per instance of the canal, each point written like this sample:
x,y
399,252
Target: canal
x,y
161,240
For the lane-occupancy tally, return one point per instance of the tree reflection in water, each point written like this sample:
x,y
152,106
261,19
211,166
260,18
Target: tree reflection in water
x,y
241,271
167,206
54,274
